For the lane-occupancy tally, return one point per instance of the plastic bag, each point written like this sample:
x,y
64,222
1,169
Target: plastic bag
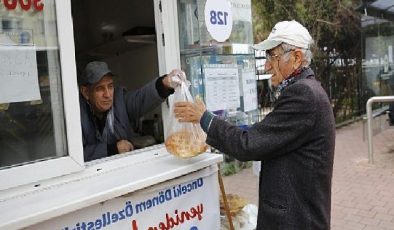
x,y
184,139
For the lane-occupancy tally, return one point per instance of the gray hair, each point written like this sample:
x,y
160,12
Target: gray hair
x,y
307,54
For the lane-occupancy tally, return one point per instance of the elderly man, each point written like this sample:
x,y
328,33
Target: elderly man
x,y
295,142
108,112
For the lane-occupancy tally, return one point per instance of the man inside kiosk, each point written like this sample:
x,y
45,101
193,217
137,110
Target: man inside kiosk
x,y
108,112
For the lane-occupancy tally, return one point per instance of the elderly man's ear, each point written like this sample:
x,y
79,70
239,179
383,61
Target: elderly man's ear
x,y
298,57
85,92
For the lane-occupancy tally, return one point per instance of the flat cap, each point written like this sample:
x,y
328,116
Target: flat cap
x,y
93,73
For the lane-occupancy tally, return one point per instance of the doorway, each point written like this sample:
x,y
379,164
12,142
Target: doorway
x,y
122,34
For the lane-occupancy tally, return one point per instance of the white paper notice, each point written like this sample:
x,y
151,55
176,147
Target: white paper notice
x,y
249,89
18,74
221,86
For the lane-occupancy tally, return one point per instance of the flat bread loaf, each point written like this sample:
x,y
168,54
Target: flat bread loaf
x,y
235,204
186,144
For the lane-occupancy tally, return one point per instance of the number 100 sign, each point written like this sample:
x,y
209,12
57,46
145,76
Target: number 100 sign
x,y
219,19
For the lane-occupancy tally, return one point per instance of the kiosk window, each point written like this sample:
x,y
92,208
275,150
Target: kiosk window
x,y
31,107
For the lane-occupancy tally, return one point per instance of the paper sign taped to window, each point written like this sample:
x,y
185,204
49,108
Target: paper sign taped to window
x,y
18,74
221,86
249,90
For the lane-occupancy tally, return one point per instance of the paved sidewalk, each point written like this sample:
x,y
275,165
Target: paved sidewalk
x,y
362,194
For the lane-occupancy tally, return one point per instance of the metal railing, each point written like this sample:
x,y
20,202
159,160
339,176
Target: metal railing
x,y
369,122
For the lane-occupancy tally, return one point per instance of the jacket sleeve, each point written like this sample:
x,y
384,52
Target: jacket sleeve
x,y
94,151
142,100
282,131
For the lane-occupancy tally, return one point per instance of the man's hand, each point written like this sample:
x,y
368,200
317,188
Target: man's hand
x,y
174,78
189,112
124,146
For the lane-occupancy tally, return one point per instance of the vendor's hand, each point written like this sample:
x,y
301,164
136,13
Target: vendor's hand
x,y
189,111
124,146
174,78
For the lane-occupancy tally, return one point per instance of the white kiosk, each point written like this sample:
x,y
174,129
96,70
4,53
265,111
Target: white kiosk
x,y
44,181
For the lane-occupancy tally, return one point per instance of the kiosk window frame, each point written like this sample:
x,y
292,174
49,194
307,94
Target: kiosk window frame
x,y
68,156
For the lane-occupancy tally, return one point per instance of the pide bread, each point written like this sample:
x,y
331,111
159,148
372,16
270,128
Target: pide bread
x,y
185,144
235,204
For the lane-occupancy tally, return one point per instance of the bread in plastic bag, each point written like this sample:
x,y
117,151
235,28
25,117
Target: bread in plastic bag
x,y
184,139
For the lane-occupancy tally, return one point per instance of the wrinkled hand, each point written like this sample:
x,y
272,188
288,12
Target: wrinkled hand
x,y
174,78
124,146
189,111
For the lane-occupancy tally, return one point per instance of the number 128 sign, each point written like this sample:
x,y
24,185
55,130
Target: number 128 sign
x,y
219,19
